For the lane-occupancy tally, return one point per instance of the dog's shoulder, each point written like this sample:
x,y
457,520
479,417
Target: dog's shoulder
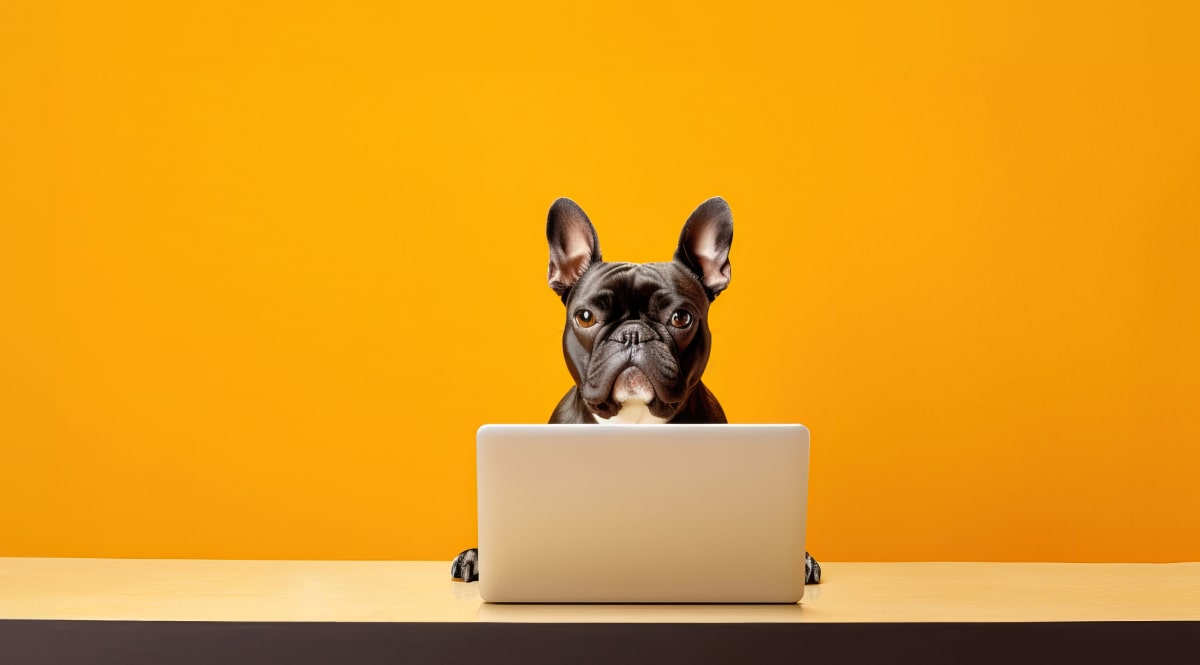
x,y
702,408
571,411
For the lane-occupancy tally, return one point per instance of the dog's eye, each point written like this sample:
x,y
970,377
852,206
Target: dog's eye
x,y
584,318
681,318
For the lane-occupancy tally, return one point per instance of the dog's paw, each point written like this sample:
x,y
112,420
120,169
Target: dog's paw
x,y
812,570
465,567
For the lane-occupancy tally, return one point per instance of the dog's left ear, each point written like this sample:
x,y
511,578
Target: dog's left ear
x,y
704,244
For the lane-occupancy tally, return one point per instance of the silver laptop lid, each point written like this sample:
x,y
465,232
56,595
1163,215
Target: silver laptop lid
x,y
642,513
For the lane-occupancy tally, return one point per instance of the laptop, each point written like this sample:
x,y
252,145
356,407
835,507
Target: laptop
x,y
642,513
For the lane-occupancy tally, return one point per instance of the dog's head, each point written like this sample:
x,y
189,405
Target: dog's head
x,y
638,332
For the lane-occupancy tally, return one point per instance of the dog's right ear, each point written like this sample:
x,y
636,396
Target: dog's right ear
x,y
573,244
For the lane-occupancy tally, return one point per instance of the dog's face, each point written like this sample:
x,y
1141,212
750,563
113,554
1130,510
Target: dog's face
x,y
636,334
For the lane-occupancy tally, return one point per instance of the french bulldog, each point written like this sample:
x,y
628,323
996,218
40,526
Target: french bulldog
x,y
636,338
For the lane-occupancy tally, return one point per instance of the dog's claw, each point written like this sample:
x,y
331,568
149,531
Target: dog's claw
x,y
465,567
812,570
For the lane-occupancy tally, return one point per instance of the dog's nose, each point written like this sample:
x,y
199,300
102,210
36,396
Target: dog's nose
x,y
633,333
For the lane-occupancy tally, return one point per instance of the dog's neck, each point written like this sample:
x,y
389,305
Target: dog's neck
x,y
632,413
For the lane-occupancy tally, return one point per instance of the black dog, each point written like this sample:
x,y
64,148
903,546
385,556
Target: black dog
x,y
636,339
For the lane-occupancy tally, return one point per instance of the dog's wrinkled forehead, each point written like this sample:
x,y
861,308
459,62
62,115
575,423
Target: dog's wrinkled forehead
x,y
638,287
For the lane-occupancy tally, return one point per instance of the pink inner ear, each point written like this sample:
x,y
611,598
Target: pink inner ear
x,y
713,264
569,268
715,270
705,242
572,258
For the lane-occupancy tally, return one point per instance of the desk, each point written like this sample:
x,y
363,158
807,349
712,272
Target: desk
x,y
159,610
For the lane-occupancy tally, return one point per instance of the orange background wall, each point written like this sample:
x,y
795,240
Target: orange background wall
x,y
271,266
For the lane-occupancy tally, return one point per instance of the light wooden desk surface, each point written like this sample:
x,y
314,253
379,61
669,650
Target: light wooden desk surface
x,y
421,591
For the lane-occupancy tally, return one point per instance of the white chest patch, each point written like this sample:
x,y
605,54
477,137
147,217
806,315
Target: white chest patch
x,y
632,413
